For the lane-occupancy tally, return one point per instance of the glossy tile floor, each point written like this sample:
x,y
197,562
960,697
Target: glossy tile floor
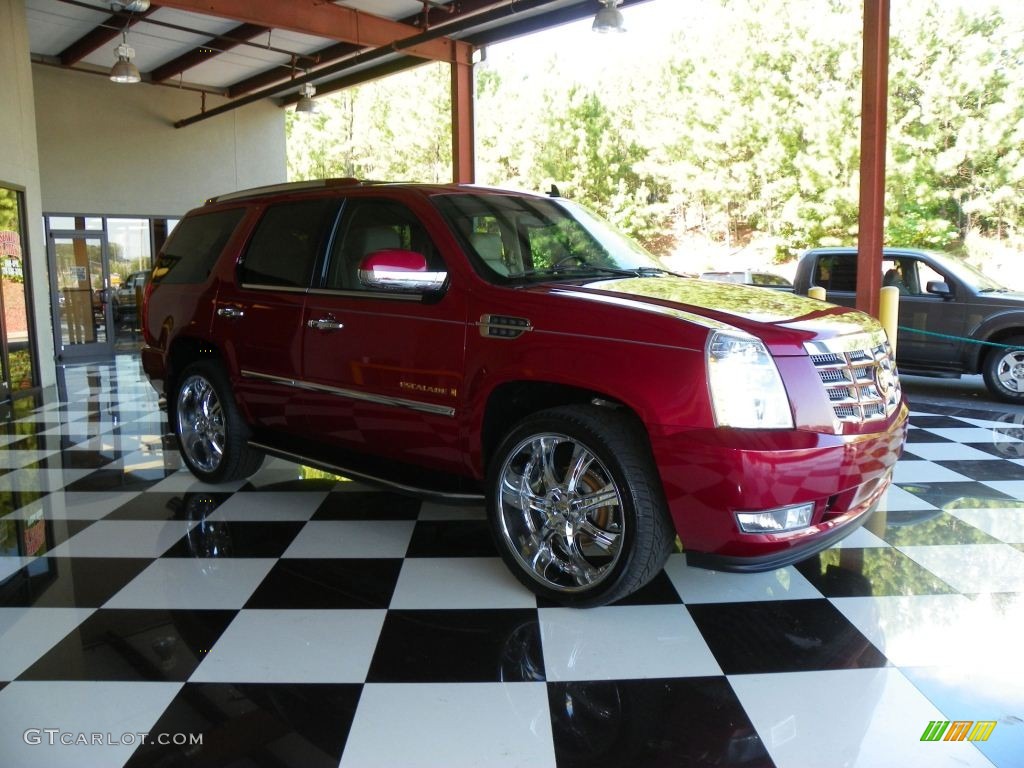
x,y
303,620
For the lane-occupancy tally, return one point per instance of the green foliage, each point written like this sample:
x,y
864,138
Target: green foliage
x,y
747,124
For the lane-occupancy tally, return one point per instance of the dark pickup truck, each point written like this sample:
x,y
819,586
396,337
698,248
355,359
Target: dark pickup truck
x,y
952,320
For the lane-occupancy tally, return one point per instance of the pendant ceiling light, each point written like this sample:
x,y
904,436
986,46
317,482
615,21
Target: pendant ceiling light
x,y
305,102
124,71
609,18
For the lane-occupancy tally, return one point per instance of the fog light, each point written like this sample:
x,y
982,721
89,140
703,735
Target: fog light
x,y
776,520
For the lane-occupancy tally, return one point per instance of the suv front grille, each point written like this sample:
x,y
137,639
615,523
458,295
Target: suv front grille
x,y
862,384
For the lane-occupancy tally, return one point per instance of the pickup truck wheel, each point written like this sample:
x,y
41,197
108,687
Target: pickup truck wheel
x,y
1004,371
212,436
576,506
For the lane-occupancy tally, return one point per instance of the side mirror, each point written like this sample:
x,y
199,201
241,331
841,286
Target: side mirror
x,y
398,270
939,288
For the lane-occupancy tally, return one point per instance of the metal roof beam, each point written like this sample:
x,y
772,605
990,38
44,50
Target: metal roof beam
x,y
324,19
100,35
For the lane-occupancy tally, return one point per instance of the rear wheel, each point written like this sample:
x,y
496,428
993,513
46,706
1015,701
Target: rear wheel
x,y
212,436
1004,371
576,506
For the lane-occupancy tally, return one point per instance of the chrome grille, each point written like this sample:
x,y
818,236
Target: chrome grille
x,y
862,384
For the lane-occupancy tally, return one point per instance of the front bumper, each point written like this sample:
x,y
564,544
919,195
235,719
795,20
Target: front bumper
x,y
709,475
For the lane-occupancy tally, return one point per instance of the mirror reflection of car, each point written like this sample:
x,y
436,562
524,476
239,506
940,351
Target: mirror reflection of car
x,y
953,318
127,294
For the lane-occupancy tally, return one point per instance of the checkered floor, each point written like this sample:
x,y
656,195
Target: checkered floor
x,y
303,620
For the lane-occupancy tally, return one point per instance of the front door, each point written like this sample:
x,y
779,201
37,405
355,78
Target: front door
x,y
82,313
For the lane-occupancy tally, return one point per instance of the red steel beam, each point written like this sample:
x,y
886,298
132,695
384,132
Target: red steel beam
x,y
324,19
874,114
99,36
463,149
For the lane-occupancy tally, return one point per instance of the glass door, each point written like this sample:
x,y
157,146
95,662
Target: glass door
x,y
82,312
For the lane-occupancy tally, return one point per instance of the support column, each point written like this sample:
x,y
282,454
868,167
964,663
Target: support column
x,y
463,150
874,111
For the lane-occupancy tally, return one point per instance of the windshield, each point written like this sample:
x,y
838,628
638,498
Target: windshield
x,y
968,274
536,239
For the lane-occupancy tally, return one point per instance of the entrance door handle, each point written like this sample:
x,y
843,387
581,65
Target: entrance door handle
x,y
325,324
231,313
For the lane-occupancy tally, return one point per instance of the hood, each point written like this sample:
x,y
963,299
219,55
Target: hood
x,y
781,319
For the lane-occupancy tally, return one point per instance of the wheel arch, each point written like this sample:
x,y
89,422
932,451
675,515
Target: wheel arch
x,y
510,402
996,331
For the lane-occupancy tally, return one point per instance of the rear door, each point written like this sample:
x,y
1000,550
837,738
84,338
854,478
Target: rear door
x,y
259,317
383,369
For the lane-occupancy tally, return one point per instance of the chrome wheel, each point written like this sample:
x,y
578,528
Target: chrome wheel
x,y
1010,371
560,512
201,425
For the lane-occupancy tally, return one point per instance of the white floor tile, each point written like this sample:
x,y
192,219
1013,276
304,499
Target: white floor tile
x,y
124,538
121,709
28,633
697,585
972,435
459,582
861,538
856,718
18,459
898,500
294,646
352,538
184,481
948,452
623,642
909,471
202,583
125,443
267,506
485,725
1014,488
937,630
10,565
40,479
973,567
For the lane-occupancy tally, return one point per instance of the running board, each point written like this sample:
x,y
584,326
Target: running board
x,y
433,494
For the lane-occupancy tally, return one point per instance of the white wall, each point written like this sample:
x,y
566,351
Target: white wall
x,y
19,165
106,148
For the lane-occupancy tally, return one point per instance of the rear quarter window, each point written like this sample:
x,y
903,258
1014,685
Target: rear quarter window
x,y
195,245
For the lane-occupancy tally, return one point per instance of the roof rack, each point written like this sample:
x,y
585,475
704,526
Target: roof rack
x,y
291,186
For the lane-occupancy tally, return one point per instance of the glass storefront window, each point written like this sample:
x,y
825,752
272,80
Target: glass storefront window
x,y
130,248
16,352
75,222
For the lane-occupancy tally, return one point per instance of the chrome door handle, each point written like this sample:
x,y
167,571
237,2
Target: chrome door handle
x,y
231,313
325,324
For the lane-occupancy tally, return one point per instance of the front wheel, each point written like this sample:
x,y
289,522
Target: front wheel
x,y
576,506
1004,370
212,436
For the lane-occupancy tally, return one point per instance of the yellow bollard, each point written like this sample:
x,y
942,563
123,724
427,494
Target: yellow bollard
x,y
816,292
889,313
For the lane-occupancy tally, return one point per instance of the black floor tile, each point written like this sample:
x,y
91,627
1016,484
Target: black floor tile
x,y
783,636
1001,449
696,721
854,572
328,583
218,538
921,436
939,422
156,505
134,645
962,494
458,646
372,505
451,538
985,469
930,528
255,724
68,582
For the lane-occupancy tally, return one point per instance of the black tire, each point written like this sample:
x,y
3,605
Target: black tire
x,y
596,526
213,439
1004,371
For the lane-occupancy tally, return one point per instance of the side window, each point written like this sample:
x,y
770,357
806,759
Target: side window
x,y
375,225
286,243
486,238
563,242
193,248
925,275
837,272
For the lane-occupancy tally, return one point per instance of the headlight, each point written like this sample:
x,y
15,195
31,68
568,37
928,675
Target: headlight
x,y
746,389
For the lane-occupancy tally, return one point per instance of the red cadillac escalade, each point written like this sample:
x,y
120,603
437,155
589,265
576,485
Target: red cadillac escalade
x,y
467,343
